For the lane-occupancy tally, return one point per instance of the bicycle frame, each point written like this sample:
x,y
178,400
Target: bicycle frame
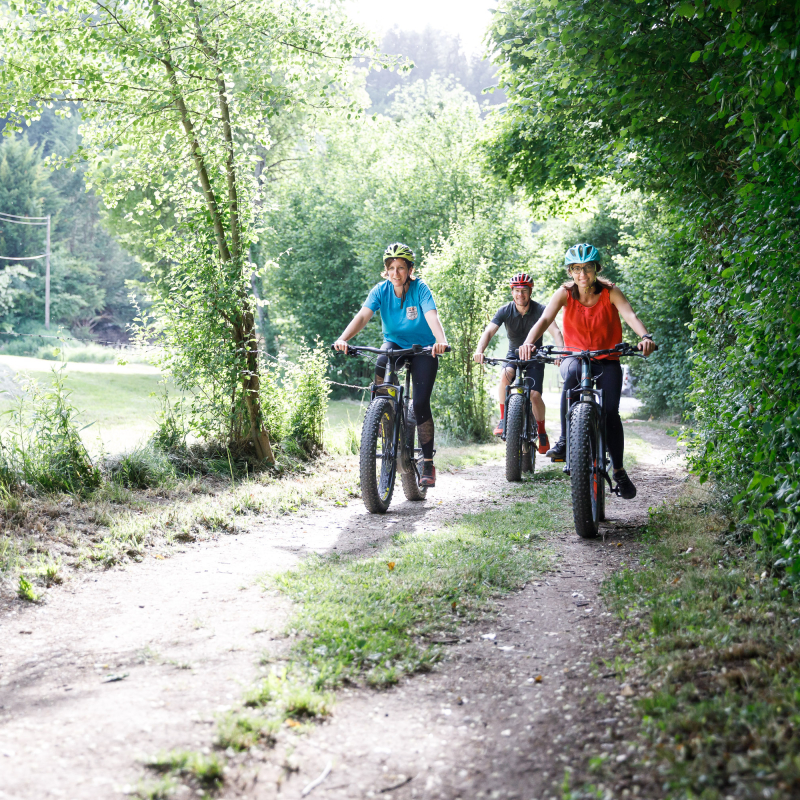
x,y
400,397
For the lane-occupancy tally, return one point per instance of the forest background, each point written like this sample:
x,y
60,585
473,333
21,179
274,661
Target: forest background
x,y
665,134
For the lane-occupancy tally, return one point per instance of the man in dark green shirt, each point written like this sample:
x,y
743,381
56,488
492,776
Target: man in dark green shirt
x,y
519,317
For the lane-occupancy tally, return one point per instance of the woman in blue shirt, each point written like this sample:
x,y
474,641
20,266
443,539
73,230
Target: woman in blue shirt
x,y
408,317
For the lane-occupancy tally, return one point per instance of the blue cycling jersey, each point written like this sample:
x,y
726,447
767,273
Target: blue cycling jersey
x,y
403,319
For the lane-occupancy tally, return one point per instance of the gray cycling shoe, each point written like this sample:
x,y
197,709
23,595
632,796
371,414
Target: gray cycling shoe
x,y
625,487
558,452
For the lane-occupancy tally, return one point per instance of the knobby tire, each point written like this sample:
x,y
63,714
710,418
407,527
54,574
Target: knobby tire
x,y
583,439
515,424
377,480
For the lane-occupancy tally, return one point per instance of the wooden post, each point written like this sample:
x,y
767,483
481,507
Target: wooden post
x,y
47,279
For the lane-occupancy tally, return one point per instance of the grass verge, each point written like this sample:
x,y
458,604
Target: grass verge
x,y
381,617
713,646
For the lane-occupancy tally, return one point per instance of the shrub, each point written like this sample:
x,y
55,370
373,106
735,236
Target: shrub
x,y
42,446
307,396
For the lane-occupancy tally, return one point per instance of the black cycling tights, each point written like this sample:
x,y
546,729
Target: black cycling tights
x,y
610,381
423,376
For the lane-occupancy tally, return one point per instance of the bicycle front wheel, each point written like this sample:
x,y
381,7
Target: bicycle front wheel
x,y
515,426
588,491
377,462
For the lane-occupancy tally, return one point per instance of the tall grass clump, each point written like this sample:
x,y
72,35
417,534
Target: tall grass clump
x,y
144,467
41,447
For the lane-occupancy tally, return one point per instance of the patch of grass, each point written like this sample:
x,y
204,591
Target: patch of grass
x,y
378,618
25,591
144,467
241,731
161,789
206,770
715,643
289,697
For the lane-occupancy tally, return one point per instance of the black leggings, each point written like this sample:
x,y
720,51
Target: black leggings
x,y
609,379
423,376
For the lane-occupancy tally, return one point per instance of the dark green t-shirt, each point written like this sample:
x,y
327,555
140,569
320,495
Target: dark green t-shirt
x,y
518,326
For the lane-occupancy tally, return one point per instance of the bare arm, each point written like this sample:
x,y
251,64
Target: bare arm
x,y
356,325
555,332
432,318
489,331
557,302
619,300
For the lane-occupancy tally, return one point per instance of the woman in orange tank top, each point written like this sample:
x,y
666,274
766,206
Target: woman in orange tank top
x,y
593,307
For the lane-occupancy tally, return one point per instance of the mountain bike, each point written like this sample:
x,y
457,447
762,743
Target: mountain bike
x,y
520,432
389,440
587,458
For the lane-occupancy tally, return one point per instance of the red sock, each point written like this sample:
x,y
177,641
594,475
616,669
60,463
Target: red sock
x,y
502,410
540,425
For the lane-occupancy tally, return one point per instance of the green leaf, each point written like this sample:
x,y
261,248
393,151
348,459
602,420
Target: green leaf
x,y
696,55
686,10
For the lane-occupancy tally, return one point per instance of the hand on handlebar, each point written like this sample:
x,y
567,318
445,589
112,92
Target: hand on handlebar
x,y
647,346
526,351
478,358
340,345
439,348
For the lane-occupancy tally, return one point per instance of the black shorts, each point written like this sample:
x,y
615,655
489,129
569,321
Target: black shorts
x,y
534,373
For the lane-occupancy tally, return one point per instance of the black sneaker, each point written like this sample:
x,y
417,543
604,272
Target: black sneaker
x,y
558,452
625,487
428,478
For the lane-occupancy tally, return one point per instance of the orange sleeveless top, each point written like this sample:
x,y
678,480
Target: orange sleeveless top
x,y
595,328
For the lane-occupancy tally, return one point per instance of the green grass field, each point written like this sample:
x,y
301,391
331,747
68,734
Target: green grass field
x,y
117,403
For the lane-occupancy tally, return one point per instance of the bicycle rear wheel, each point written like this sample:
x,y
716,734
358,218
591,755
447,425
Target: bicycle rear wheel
x,y
377,461
515,418
588,492
410,480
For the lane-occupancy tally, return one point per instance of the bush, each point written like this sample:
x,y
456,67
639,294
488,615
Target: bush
x,y
307,395
42,446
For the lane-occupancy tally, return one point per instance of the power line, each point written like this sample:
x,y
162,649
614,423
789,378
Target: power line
x,y
15,219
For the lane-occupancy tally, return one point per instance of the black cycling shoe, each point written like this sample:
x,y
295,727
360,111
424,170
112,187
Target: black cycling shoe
x,y
625,487
558,452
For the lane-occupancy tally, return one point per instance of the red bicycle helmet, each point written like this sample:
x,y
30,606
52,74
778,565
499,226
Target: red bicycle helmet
x,y
521,279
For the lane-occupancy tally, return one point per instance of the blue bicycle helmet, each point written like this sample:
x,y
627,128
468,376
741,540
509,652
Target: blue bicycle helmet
x,y
580,254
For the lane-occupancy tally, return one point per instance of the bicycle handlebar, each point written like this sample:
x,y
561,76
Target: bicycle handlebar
x,y
409,351
622,349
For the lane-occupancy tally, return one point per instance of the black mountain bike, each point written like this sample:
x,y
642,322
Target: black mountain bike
x,y
520,432
587,458
389,440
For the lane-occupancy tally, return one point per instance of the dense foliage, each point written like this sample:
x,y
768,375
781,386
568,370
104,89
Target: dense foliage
x,y
408,177
698,102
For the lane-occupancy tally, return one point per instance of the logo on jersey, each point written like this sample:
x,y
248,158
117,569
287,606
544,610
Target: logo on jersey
x,y
411,312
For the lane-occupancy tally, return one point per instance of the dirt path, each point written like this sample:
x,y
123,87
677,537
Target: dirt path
x,y
127,663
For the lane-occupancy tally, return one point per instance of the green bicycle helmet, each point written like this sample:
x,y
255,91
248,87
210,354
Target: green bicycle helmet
x,y
580,254
398,250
